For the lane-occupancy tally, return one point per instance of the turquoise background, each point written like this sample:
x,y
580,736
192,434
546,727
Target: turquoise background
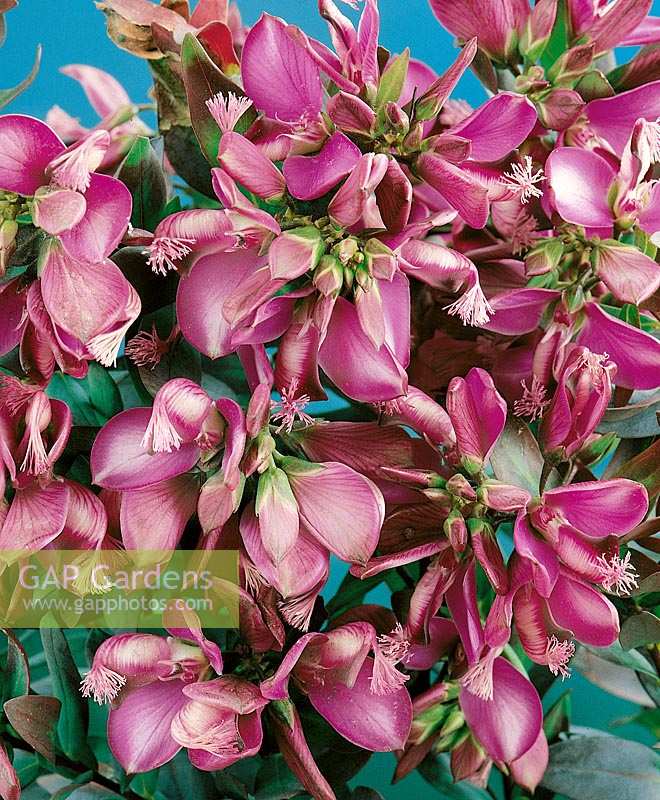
x,y
73,31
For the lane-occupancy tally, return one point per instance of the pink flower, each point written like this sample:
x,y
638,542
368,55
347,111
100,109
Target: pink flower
x,y
149,454
90,303
500,704
478,414
46,510
363,697
145,677
580,400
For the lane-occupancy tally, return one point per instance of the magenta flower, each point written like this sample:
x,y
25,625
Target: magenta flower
x,y
149,454
580,400
46,510
112,104
90,303
478,414
576,527
144,677
363,697
219,722
500,704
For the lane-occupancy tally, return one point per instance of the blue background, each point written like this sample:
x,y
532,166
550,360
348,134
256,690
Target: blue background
x,y
73,31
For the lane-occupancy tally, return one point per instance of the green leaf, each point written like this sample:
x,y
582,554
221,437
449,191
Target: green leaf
x,y
275,781
435,770
558,718
644,468
179,779
365,793
72,728
34,718
203,80
17,670
392,80
517,459
7,95
187,159
558,42
93,400
615,654
602,768
639,630
182,361
142,173
634,421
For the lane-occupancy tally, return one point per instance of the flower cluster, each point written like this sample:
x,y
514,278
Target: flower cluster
x,y
332,318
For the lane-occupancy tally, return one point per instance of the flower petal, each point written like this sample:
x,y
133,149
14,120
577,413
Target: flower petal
x,y
580,182
154,518
278,75
310,177
27,146
635,353
119,461
349,528
380,723
149,745
509,724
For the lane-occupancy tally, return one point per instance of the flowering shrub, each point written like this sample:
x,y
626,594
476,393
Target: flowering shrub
x,y
333,318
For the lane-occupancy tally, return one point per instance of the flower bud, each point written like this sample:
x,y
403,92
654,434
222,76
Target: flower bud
x,y
531,81
544,257
502,496
397,118
488,553
459,486
8,231
456,530
329,275
583,393
559,108
346,249
538,28
295,252
414,139
380,260
571,64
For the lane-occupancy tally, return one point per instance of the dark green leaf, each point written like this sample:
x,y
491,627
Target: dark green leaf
x,y
183,361
7,95
92,791
365,793
142,172
72,728
187,159
93,400
34,717
203,80
558,718
644,468
640,629
275,781
634,421
615,654
179,779
602,768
